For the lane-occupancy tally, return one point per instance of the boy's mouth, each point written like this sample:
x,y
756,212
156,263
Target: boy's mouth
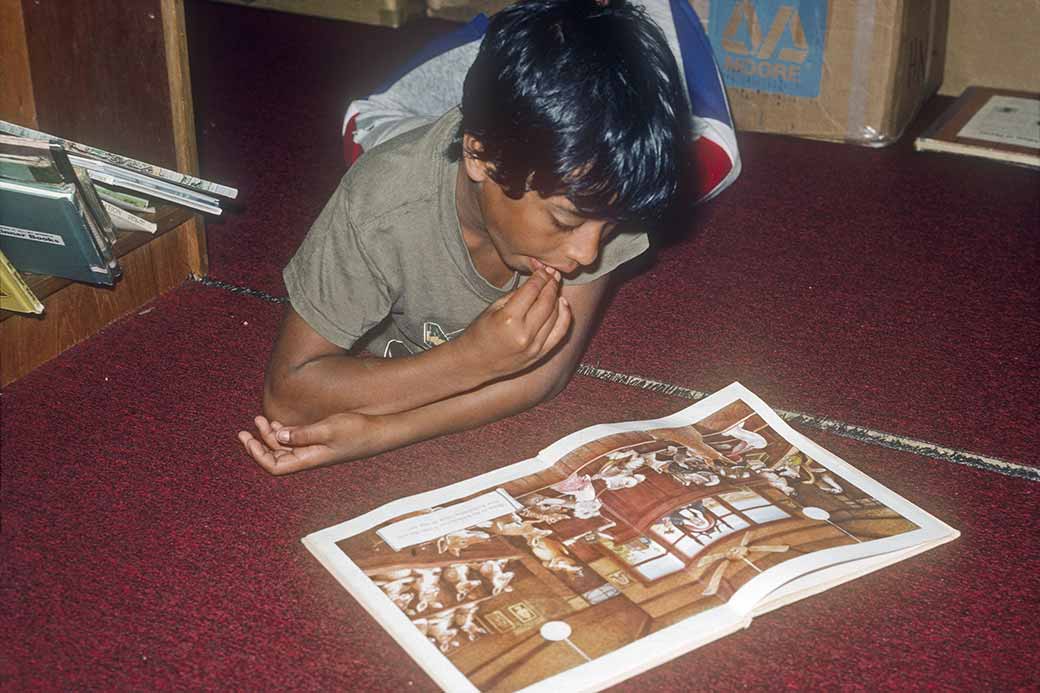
x,y
535,264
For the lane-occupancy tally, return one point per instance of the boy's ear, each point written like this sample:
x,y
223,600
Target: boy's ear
x,y
476,168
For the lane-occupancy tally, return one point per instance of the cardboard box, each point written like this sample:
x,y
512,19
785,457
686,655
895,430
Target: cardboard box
x,y
391,13
842,70
463,10
992,44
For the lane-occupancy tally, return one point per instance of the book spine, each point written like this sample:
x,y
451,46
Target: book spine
x,y
169,196
97,220
90,196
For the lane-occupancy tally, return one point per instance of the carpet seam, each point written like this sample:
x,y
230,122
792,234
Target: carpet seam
x,y
840,428
846,430
207,280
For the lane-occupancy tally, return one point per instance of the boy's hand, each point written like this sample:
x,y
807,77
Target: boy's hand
x,y
520,328
287,449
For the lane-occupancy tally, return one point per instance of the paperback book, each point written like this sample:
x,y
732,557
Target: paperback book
x,y
127,221
124,163
109,169
15,294
45,228
990,123
619,547
31,168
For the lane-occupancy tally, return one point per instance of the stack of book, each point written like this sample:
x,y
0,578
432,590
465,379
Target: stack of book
x,y
62,205
998,124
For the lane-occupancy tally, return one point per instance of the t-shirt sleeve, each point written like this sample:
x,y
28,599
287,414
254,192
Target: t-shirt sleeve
x,y
618,250
333,283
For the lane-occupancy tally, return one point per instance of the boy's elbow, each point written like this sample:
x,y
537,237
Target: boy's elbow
x,y
553,385
278,403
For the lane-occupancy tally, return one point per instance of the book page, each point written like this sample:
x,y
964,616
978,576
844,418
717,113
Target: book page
x,y
1010,120
618,547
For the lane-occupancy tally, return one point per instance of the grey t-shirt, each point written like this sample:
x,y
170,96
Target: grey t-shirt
x,y
385,259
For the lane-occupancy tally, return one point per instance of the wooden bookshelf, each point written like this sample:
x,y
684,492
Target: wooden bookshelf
x,y
132,96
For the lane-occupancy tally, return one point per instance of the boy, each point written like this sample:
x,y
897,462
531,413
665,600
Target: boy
x,y
474,253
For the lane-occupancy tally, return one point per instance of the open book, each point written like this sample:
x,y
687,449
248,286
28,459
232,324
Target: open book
x,y
619,548
997,124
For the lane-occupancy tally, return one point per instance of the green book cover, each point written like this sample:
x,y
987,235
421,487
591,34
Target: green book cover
x,y
44,230
30,161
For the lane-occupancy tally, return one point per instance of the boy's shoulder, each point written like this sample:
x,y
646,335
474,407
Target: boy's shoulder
x,y
405,172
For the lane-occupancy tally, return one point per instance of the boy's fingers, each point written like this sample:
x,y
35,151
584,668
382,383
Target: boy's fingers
x,y
560,327
545,328
277,463
260,453
268,434
299,436
521,299
542,310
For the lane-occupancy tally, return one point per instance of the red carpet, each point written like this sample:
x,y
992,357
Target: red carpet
x,y
887,288
141,549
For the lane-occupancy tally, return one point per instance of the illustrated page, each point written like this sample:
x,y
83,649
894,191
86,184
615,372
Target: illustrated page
x,y
626,532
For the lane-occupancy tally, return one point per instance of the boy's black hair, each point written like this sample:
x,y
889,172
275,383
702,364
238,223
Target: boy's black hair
x,y
580,98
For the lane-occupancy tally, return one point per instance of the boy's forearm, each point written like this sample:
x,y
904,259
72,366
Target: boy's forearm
x,y
310,378
337,383
501,398
469,410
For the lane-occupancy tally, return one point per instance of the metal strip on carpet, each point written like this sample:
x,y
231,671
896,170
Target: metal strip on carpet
x,y
860,433
240,290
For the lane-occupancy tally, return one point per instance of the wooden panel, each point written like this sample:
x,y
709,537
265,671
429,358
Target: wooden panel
x,y
79,310
16,96
391,13
182,119
114,75
100,75
178,74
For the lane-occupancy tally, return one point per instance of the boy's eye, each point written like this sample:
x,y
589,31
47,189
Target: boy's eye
x,y
562,226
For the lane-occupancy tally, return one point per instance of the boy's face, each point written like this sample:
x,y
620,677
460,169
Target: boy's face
x,y
546,229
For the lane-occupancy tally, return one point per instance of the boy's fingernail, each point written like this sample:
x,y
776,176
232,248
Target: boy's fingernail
x,y
283,436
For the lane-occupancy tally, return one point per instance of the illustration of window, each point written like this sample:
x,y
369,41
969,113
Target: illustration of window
x,y
648,558
605,592
753,506
687,530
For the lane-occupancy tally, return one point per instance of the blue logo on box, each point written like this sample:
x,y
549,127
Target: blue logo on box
x,y
773,46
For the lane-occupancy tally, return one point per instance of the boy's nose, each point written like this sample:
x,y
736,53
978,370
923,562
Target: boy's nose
x,y
584,248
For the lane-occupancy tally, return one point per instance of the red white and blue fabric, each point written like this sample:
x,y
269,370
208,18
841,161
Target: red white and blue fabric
x,y
431,83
